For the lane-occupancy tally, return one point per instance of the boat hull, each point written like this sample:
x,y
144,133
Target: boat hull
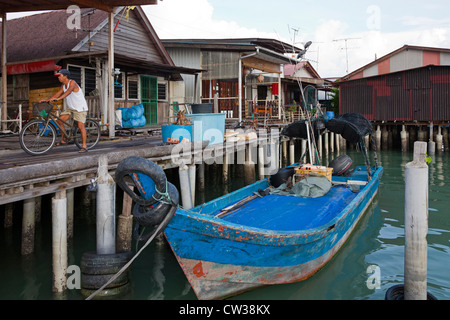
x,y
221,258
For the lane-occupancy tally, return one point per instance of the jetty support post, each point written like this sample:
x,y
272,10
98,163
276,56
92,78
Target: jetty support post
x,y
106,209
28,226
70,193
59,241
378,138
185,186
291,151
125,225
416,224
404,139
439,140
431,143
192,172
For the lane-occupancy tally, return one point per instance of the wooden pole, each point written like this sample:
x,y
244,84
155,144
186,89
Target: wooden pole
x,y
8,223
28,226
125,225
431,143
416,224
106,213
111,108
59,241
70,207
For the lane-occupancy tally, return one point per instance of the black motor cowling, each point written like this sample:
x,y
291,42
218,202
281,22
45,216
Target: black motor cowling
x,y
341,165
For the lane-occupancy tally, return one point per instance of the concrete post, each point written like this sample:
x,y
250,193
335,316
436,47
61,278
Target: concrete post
x,y
291,151
59,241
185,187
106,209
416,224
28,226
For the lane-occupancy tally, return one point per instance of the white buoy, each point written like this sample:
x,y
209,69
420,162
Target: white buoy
x,y
416,224
59,241
106,209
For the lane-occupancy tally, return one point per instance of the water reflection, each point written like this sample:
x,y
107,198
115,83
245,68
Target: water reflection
x,y
378,240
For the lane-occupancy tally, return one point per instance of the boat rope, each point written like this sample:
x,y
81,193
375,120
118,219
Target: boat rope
x,y
165,197
114,277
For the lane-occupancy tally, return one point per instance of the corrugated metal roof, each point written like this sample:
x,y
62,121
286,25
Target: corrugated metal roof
x,y
401,64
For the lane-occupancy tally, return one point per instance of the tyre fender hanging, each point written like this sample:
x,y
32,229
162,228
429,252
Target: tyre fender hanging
x,y
133,165
155,216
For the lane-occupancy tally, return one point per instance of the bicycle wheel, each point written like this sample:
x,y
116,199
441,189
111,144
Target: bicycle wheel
x,y
36,137
92,134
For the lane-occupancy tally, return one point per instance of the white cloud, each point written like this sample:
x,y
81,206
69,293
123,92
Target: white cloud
x,y
194,19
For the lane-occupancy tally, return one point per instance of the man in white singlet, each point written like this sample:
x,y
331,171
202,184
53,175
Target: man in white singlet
x,y
76,104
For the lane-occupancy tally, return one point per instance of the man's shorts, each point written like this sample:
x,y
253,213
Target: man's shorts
x,y
79,116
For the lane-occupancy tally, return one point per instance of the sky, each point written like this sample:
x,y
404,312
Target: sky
x,y
346,35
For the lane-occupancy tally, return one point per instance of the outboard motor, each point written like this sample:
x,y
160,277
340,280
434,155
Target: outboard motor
x,y
341,165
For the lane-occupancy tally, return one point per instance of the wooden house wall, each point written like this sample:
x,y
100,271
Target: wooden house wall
x,y
130,39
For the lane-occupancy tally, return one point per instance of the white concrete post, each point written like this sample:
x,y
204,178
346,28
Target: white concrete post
x,y
291,151
185,187
192,169
59,241
416,224
28,226
106,209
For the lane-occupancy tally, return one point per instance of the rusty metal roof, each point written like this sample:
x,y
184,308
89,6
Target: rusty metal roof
x,y
40,5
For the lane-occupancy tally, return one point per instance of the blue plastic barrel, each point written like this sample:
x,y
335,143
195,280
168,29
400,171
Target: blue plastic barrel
x,y
330,115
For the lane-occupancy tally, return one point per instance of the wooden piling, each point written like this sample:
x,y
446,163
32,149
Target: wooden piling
x,y
125,225
8,222
106,213
28,226
201,177
416,224
445,138
431,143
70,208
59,241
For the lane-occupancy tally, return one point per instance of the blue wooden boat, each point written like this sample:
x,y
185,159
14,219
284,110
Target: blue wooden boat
x,y
251,238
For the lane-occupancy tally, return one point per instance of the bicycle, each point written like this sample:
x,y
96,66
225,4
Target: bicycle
x,y
39,135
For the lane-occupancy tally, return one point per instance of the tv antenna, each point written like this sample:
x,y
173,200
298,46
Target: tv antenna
x,y
346,47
